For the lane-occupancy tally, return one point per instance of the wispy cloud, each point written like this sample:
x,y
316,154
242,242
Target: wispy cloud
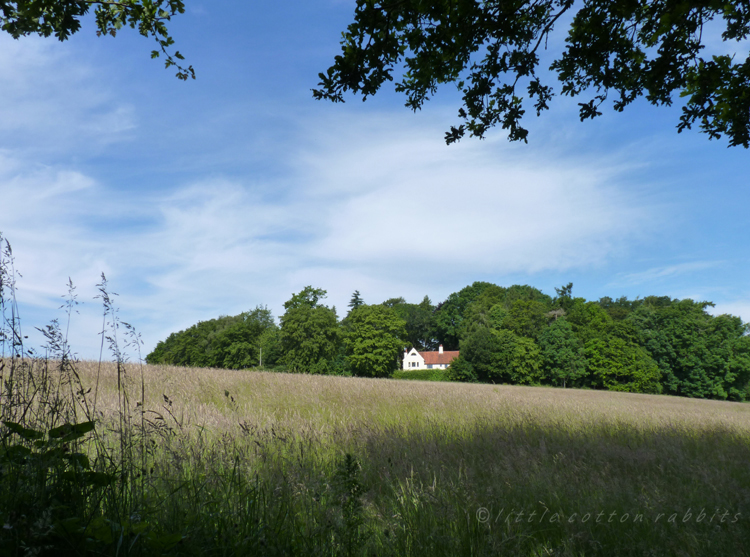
x,y
52,102
414,205
658,274
386,212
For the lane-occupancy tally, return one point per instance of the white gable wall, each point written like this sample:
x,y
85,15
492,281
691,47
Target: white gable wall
x,y
412,360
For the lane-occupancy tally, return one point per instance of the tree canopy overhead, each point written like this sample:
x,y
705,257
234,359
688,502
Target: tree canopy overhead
x,y
62,18
616,50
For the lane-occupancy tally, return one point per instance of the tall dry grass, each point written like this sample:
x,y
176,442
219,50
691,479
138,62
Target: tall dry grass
x,y
450,469
221,399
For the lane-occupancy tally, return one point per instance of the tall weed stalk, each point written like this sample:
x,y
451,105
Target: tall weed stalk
x,y
48,482
65,487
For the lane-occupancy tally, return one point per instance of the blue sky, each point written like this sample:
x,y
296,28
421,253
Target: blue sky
x,y
210,197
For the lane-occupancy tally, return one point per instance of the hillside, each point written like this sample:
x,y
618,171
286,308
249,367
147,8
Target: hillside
x,y
414,468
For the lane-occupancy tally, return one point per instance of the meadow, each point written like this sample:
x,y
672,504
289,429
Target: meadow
x,y
219,462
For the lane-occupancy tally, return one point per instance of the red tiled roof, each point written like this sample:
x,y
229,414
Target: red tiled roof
x,y
432,358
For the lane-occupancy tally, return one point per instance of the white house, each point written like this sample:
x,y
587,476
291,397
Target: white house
x,y
429,360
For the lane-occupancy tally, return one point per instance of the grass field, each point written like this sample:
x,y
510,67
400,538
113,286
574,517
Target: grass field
x,y
243,463
422,374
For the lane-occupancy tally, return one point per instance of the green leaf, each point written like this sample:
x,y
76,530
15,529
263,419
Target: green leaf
x,y
69,432
16,453
138,528
88,478
101,530
71,525
162,542
26,433
79,459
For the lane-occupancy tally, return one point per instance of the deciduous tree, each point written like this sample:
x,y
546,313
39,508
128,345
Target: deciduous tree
x,y
62,18
697,353
226,342
449,314
563,360
374,340
419,319
501,357
616,50
526,318
617,365
309,332
461,370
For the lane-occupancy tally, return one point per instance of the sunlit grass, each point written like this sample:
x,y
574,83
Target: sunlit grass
x,y
422,374
445,468
300,400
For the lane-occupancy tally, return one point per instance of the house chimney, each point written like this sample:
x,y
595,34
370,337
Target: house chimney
x,y
440,349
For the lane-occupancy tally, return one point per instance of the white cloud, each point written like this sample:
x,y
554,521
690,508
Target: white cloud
x,y
387,212
740,308
657,274
404,202
374,203
52,101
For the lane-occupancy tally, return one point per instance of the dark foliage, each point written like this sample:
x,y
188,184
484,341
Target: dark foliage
x,y
62,18
616,50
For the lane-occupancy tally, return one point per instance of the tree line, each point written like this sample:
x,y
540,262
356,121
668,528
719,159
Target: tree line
x,y
513,335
